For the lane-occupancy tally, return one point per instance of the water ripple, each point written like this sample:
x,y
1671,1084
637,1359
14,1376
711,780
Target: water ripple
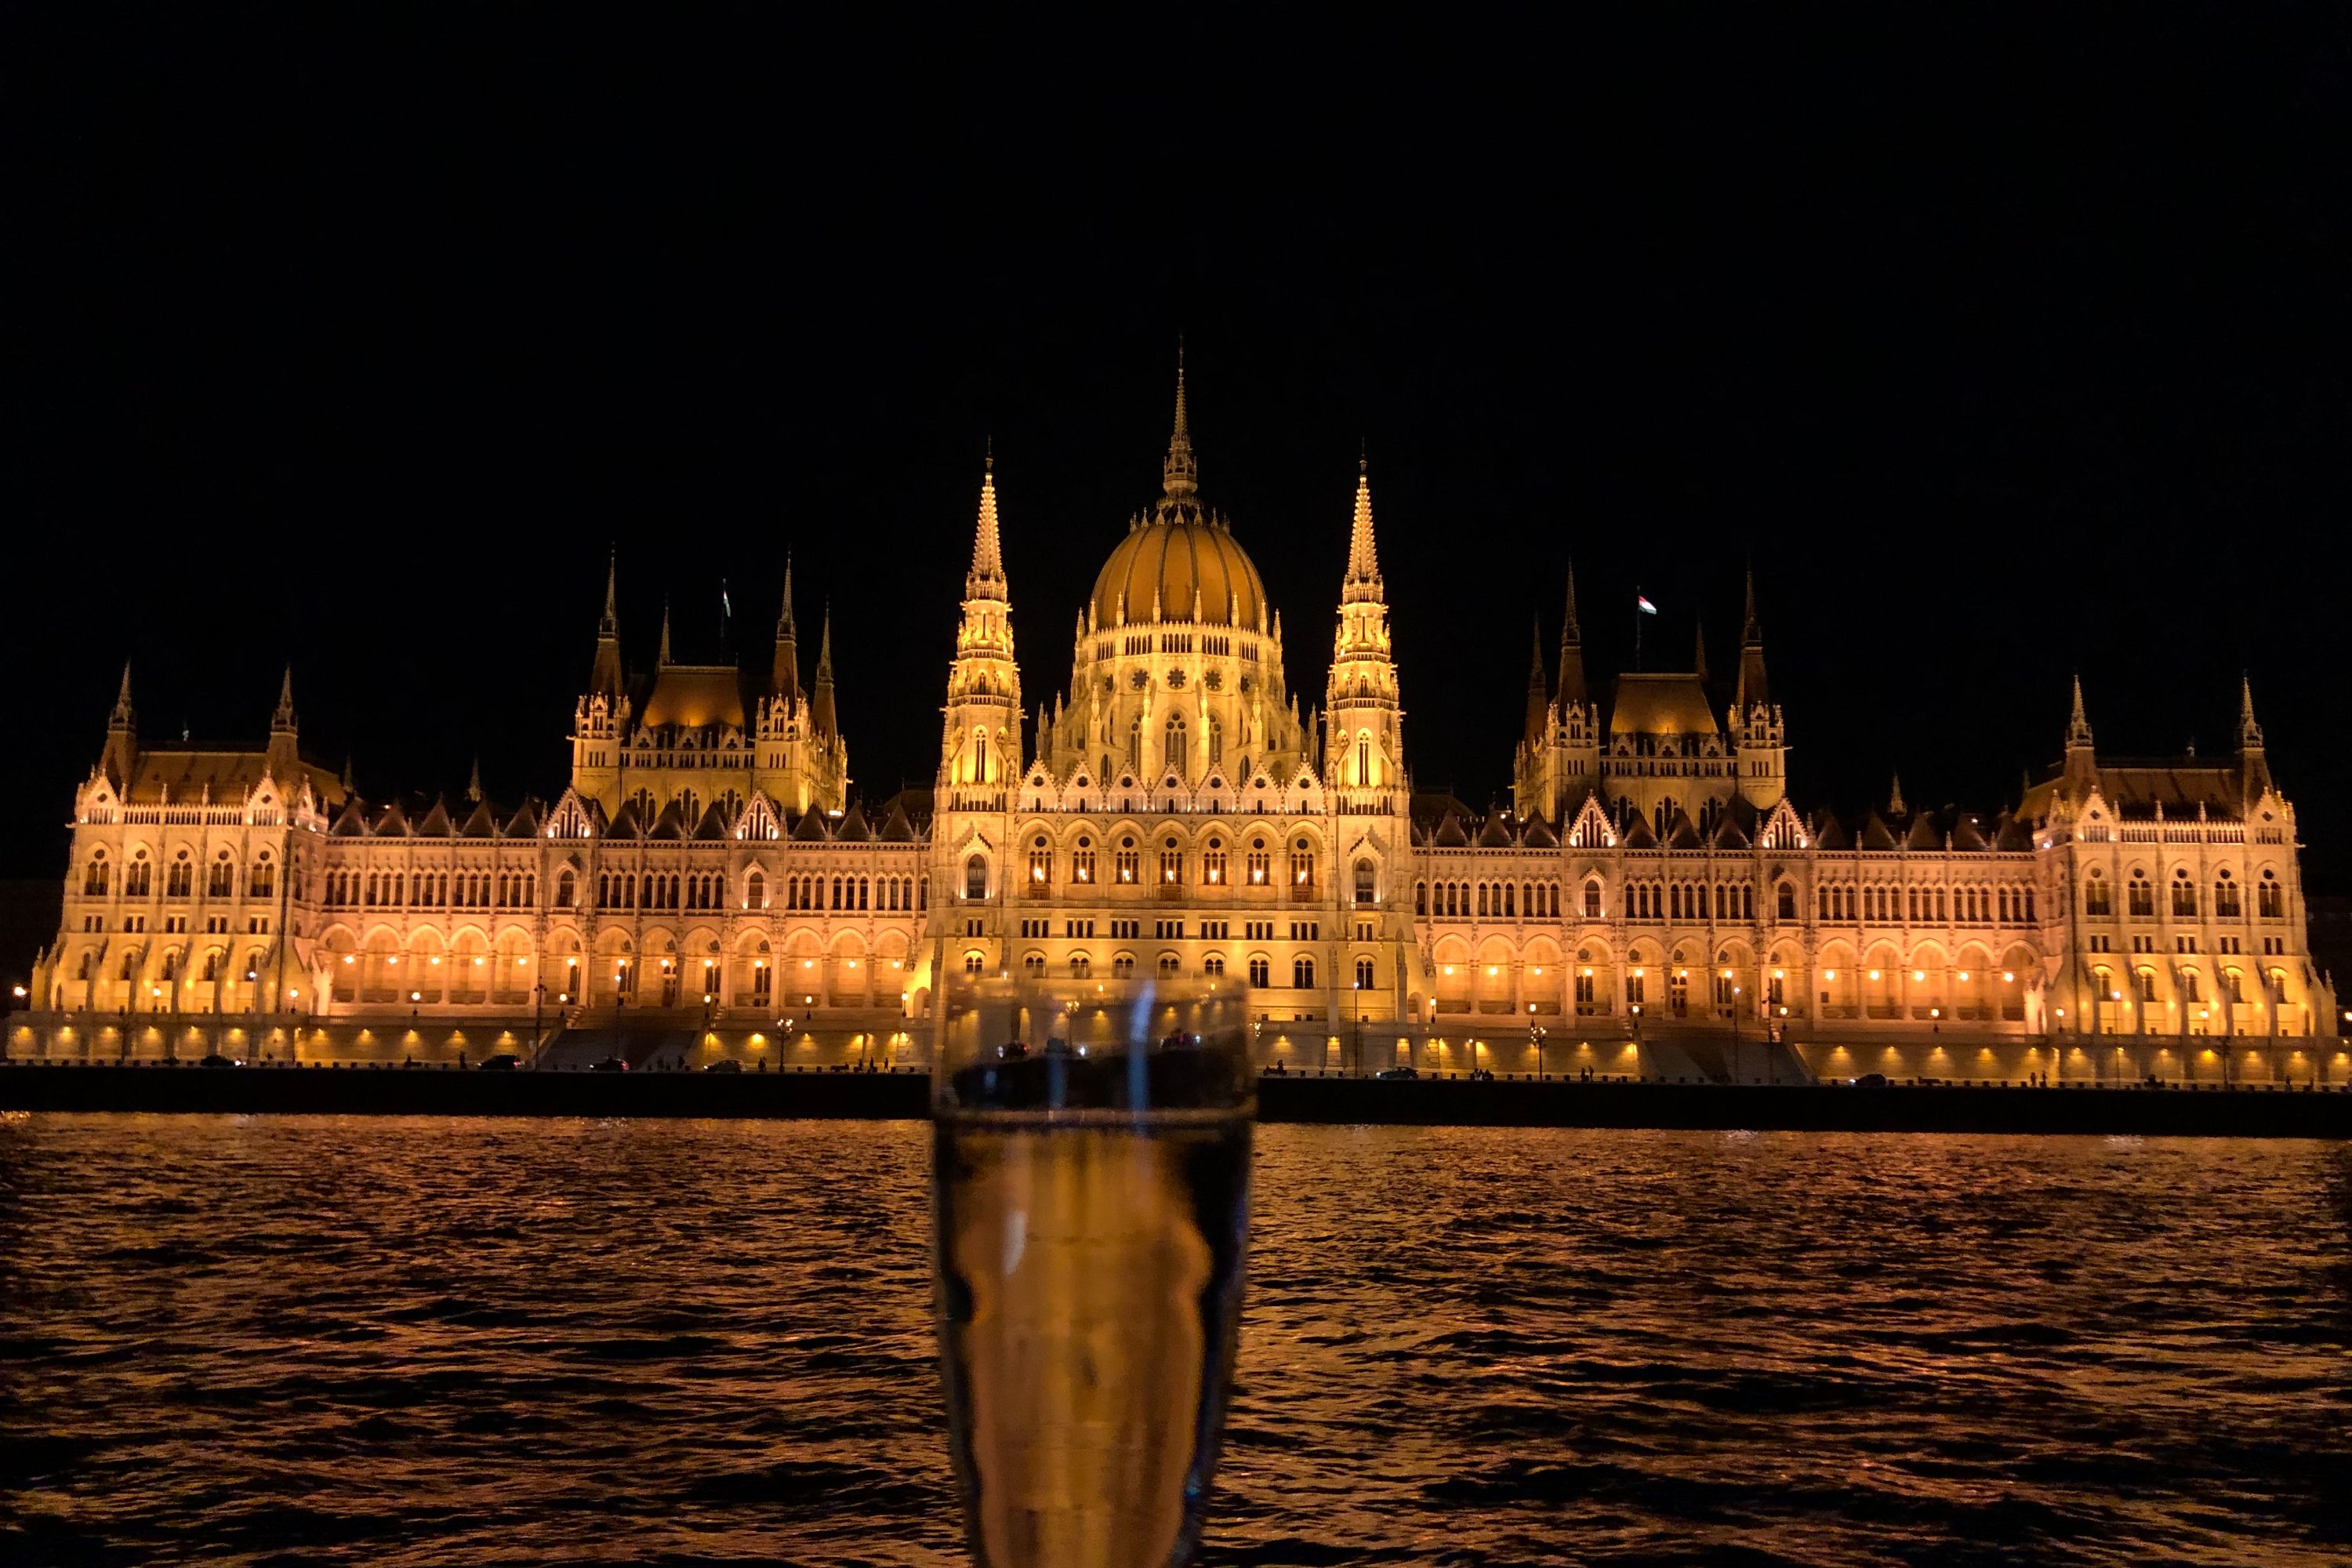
x,y
257,1341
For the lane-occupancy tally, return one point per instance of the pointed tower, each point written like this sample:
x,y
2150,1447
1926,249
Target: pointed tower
x,y
1560,764
1895,806
1364,740
1538,722
601,712
661,659
2082,773
821,713
284,759
473,783
604,677
2254,767
1179,475
980,745
785,669
1757,731
122,736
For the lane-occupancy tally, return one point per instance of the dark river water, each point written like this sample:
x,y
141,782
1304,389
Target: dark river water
x,y
394,1342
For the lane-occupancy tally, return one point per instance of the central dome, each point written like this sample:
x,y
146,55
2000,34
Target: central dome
x,y
1181,557
1184,556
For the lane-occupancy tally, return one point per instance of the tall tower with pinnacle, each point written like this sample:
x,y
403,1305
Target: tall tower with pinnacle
x,y
979,742
1364,740
1757,731
1559,760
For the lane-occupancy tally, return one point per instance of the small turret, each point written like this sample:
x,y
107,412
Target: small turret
x,y
2254,767
2082,773
121,735
284,756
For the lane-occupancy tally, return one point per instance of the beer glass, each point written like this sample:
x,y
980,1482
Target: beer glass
x,y
1090,1208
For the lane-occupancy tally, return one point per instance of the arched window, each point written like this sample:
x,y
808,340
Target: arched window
x,y
1364,880
975,877
1128,865
1170,964
1032,965
755,889
1212,863
1363,974
2097,896
1302,863
1213,966
1171,863
1261,972
1420,898
1041,861
1082,860
1785,901
1172,756
1216,739
263,883
974,963
2270,899
1260,862
1135,743
1080,966
134,881
1302,974
2226,903
2140,898
93,883
2184,895
1592,899
179,881
980,756
1364,756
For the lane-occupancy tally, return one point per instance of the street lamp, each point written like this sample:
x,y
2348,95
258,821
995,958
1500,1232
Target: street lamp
x,y
1536,1039
1358,1001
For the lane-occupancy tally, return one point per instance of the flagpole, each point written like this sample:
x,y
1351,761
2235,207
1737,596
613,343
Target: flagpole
x,y
1637,627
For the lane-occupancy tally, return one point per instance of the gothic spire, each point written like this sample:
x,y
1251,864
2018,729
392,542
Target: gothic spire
x,y
986,578
821,711
1753,688
662,658
2078,727
1572,648
2250,733
1895,806
121,718
283,719
474,781
1179,475
1537,703
1363,582
604,675
784,670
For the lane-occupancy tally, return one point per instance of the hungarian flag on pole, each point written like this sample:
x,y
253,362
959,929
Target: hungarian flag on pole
x,y
1643,604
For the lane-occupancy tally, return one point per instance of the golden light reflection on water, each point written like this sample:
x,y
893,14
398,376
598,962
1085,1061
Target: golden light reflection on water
x,y
502,1341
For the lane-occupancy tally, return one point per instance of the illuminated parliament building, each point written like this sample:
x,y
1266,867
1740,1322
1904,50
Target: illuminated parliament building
x,y
1652,903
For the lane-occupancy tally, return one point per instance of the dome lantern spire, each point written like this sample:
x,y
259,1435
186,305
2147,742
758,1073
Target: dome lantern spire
x,y
1363,581
1179,475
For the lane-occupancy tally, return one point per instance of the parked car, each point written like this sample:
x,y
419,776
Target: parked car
x,y
724,1064
505,1061
610,1064
215,1059
1395,1074
1871,1081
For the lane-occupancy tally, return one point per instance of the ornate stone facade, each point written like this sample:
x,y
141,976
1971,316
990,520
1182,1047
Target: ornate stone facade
x,y
1653,894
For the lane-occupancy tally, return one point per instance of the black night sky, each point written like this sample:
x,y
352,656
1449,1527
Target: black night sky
x,y
1998,353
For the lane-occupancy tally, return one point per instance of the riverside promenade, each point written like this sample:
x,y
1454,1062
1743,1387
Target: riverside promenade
x,y
2260,1111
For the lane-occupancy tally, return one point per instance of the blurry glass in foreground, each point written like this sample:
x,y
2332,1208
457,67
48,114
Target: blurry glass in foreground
x,y
1090,1203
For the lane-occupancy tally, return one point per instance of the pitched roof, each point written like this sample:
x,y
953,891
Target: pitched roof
x,y
1657,703
895,829
1496,834
695,695
810,828
853,828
